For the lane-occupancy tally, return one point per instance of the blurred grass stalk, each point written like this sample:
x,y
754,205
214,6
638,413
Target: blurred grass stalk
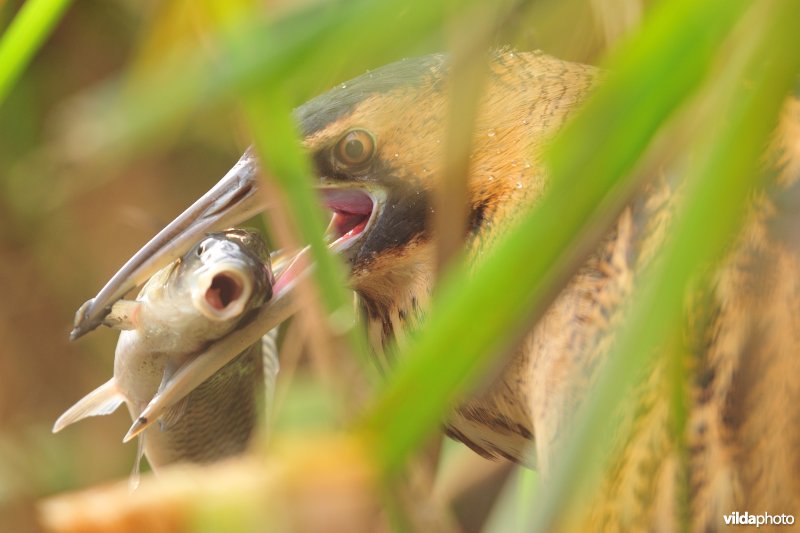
x,y
468,71
268,114
274,135
23,38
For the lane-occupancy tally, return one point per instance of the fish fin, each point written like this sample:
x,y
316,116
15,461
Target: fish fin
x,y
124,315
104,400
136,473
176,411
173,414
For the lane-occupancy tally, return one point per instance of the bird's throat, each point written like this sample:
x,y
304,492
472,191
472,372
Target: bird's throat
x,y
392,306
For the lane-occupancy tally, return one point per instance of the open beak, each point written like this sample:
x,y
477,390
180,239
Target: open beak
x,y
231,201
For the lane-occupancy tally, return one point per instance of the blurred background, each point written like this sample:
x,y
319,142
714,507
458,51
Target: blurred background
x,y
64,229
71,215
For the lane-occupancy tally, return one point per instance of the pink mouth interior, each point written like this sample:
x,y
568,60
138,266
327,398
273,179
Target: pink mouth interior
x,y
224,290
352,209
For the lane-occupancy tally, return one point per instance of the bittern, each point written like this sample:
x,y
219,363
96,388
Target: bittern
x,y
375,144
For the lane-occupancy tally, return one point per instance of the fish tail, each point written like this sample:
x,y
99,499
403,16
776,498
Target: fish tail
x,y
104,400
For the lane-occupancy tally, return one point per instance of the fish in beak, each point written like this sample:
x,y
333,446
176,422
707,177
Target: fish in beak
x,y
234,199
193,301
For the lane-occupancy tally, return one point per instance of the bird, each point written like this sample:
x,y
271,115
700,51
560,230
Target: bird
x,y
376,146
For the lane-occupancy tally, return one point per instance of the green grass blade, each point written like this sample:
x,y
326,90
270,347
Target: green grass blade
x,y
269,114
24,36
275,136
516,282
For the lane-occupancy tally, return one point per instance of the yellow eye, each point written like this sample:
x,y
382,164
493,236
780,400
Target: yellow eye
x,y
355,148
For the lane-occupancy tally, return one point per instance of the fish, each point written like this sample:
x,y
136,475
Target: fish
x,y
199,298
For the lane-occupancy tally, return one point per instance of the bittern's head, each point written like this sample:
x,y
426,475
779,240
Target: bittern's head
x,y
378,143
376,146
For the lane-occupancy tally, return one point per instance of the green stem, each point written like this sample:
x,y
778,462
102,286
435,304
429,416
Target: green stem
x,y
29,29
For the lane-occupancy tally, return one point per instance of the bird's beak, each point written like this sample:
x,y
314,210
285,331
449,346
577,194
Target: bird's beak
x,y
234,199
231,201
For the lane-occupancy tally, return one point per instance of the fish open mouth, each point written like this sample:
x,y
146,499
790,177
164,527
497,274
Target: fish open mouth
x,y
222,294
225,289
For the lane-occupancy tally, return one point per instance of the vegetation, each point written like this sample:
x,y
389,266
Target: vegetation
x,y
194,76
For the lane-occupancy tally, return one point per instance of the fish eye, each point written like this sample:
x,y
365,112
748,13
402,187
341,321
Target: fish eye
x,y
355,148
200,250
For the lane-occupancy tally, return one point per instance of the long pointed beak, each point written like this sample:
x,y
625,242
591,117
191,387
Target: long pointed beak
x,y
231,201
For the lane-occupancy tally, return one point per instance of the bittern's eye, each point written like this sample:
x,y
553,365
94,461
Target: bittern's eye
x,y
355,148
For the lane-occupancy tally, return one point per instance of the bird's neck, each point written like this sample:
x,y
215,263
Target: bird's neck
x,y
394,304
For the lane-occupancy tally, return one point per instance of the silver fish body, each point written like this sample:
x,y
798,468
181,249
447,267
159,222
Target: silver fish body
x,y
216,420
198,299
